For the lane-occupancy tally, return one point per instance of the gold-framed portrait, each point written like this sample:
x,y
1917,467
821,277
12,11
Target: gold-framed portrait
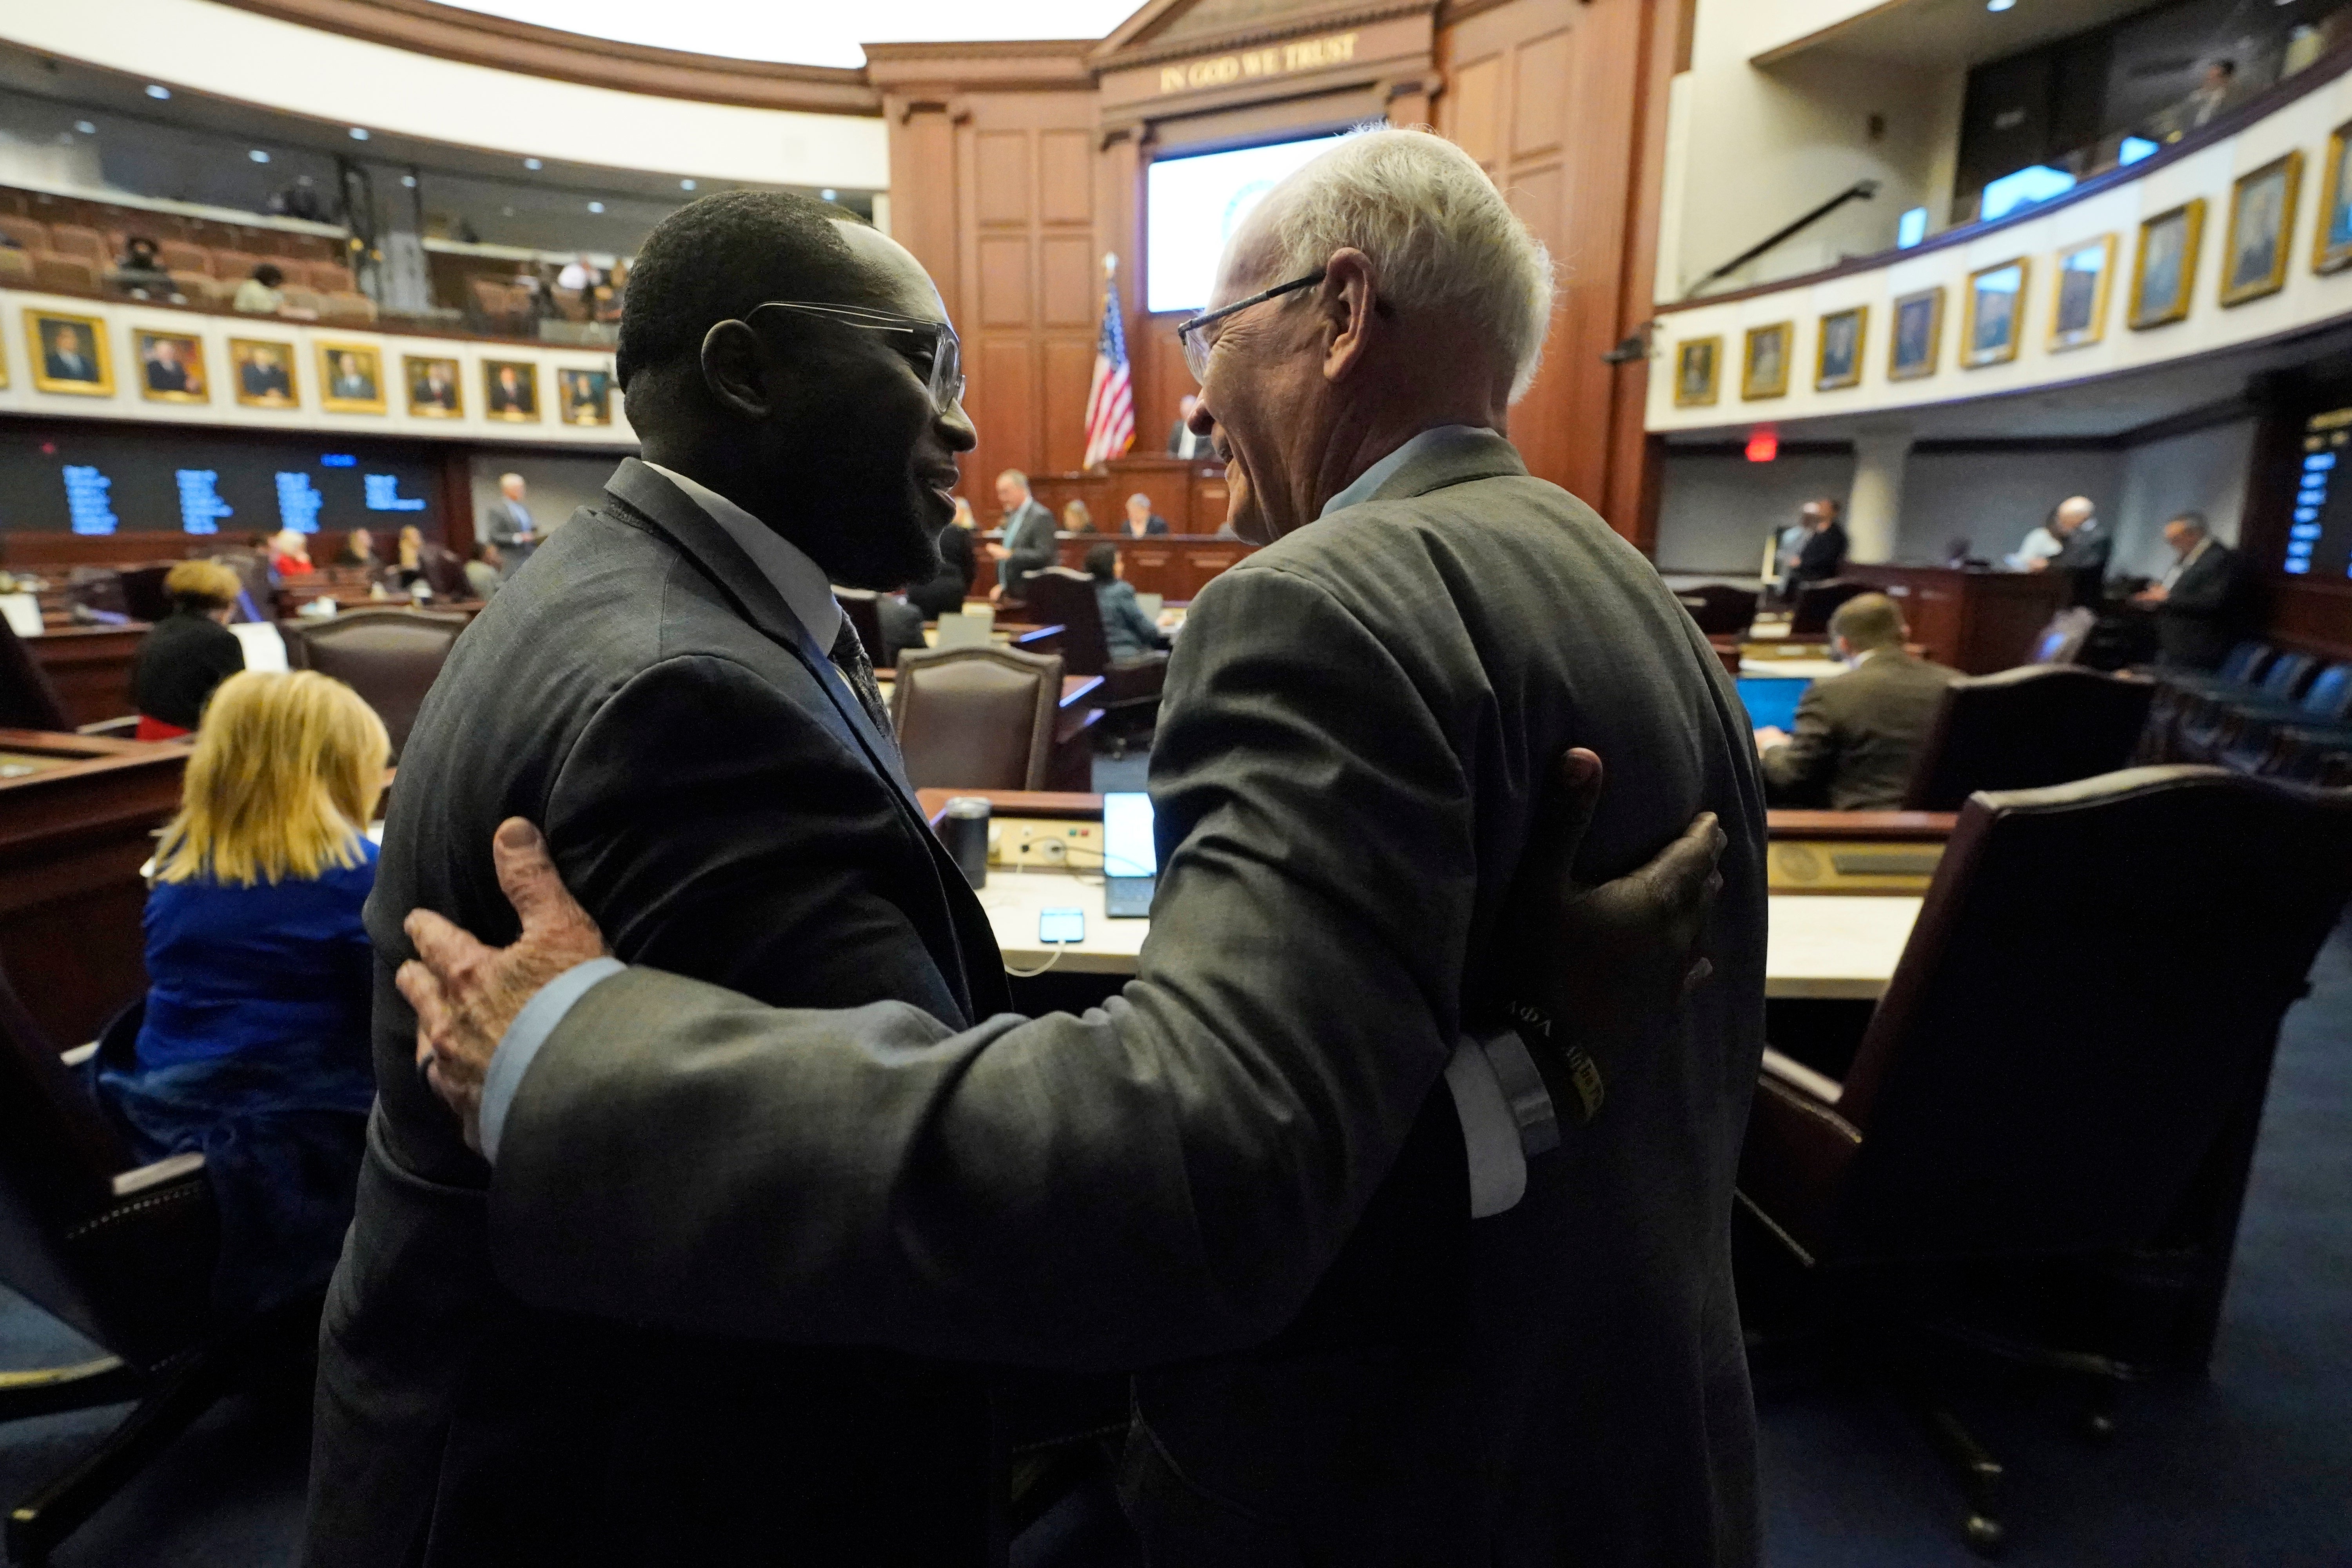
x,y
2164,267
2078,316
350,378
2331,238
435,386
69,353
1764,360
1917,339
171,367
1698,371
2262,229
584,396
510,389
1841,338
264,368
1994,319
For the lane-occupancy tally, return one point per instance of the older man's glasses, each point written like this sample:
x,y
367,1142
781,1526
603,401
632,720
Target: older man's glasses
x,y
930,346
1195,341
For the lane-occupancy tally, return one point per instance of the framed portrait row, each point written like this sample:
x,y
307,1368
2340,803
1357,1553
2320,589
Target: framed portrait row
x,y
70,354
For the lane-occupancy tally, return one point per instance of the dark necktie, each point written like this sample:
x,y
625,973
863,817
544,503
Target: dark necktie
x,y
849,657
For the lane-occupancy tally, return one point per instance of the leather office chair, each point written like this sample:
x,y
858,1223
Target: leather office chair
x,y
121,1253
1129,694
2061,640
975,718
2066,1073
1720,609
28,698
1817,602
390,657
2023,729
2208,720
260,601
143,598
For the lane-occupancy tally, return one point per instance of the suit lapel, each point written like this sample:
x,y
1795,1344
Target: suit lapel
x,y
695,533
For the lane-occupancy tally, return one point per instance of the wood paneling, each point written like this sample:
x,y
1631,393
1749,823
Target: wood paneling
x,y
1065,176
1003,191
1074,282
1068,370
1006,296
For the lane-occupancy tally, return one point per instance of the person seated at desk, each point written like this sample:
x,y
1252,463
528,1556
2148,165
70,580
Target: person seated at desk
x,y
289,555
188,653
484,572
2202,604
359,550
139,271
1857,734
253,1047
258,295
944,592
1128,632
1077,516
1141,519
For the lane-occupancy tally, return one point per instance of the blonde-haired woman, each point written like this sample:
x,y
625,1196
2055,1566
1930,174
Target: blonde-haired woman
x,y
254,1047
189,652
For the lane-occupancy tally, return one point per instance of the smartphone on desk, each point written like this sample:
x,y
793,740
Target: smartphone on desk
x,y
1061,926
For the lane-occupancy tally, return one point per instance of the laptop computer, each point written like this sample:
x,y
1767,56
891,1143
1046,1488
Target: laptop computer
x,y
1131,858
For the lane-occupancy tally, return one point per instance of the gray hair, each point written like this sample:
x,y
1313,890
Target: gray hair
x,y
1438,233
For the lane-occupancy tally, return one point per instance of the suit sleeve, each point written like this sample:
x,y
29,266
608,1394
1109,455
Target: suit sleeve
x,y
2206,592
747,855
1163,1177
1035,550
1799,773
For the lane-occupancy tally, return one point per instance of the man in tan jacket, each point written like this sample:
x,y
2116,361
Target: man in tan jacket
x,y
1857,734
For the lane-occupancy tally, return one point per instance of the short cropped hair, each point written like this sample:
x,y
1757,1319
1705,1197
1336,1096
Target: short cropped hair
x,y
1438,233
1102,562
715,260
1867,621
2195,520
201,586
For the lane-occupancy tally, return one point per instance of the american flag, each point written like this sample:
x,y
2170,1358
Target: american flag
x,y
1110,403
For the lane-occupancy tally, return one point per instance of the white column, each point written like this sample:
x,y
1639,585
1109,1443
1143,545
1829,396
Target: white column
x,y
1875,504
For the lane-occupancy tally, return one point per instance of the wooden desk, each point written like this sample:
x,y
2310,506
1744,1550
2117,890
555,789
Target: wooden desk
x,y
73,835
90,668
1976,621
1172,565
1819,945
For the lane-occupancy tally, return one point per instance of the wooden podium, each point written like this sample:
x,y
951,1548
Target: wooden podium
x,y
1976,621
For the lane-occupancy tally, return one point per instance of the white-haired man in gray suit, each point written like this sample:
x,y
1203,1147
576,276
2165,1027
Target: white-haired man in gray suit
x,y
510,525
1366,1332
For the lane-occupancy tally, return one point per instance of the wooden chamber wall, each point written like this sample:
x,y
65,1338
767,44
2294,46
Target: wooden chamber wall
x,y
1007,184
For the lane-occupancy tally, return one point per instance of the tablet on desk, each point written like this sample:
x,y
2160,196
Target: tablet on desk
x,y
1131,860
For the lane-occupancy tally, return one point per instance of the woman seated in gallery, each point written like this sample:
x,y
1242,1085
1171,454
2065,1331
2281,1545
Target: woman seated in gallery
x,y
189,652
253,1050
1128,632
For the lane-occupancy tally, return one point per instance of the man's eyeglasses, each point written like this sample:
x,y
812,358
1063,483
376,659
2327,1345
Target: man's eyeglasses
x,y
1196,347
932,344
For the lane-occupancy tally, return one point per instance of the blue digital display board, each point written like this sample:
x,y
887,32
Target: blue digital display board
x,y
61,479
2319,532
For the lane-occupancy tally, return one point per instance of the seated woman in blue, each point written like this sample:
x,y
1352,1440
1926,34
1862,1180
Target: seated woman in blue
x,y
254,1050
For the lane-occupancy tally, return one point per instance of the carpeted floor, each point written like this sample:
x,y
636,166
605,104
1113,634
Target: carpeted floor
x,y
2252,1468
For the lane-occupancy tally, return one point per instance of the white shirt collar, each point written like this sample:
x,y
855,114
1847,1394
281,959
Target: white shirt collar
x,y
801,581
1373,477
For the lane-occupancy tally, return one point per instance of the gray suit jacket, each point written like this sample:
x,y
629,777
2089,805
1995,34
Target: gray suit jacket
x,y
502,526
721,803
2207,609
1029,535
1858,735
1243,1174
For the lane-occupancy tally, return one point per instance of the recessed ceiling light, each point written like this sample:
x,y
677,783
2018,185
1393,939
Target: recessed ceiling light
x,y
532,163
408,181
685,185
158,92
258,156
359,133
595,206
85,126
830,195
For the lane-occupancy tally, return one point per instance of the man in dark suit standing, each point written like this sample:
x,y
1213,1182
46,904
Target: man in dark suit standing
x,y
2202,604
682,705
1183,441
1258,1171
1028,543
1821,556
1858,733
2083,547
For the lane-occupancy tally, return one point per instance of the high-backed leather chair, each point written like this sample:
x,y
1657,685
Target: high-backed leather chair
x,y
2208,718
2060,640
1817,602
1720,609
260,601
123,1254
2066,1069
2023,729
28,701
975,718
390,657
143,598
1129,694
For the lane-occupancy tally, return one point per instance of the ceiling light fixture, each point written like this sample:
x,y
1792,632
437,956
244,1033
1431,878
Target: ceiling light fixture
x,y
359,133
258,156
158,92
533,164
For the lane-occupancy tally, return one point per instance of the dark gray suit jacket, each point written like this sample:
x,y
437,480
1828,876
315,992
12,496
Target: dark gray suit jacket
x,y
1858,735
1029,535
720,801
1243,1172
502,525
2208,608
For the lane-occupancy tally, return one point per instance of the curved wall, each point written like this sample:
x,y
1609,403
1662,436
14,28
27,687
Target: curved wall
x,y
234,54
2309,298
